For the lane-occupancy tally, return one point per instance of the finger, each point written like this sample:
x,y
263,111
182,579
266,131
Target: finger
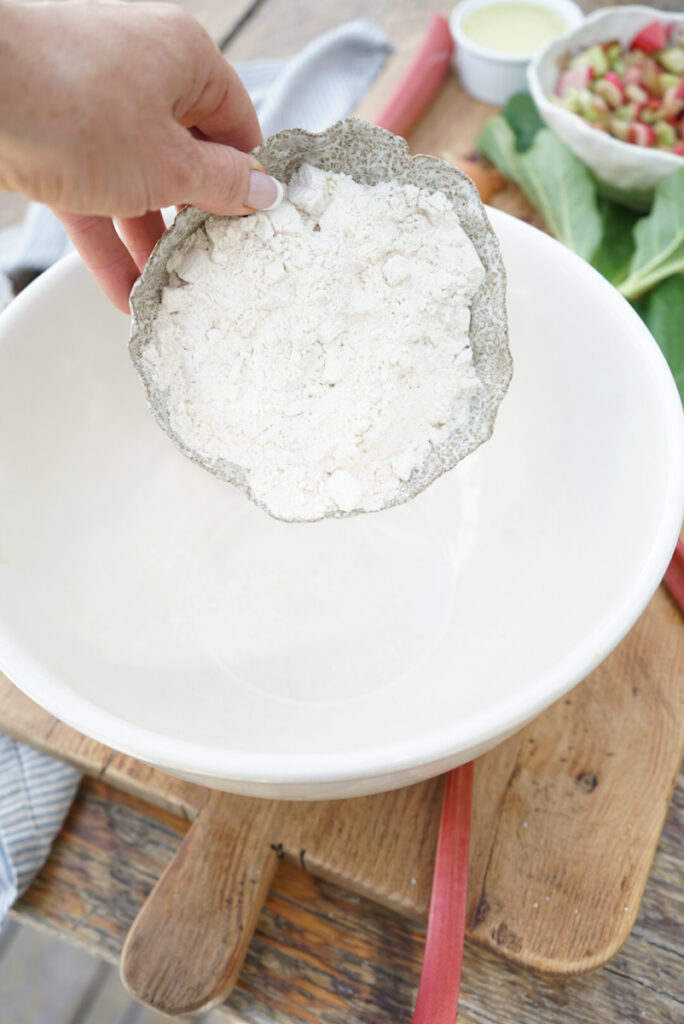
x,y
223,111
141,234
231,182
103,253
233,120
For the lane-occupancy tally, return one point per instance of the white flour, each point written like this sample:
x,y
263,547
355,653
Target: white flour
x,y
324,345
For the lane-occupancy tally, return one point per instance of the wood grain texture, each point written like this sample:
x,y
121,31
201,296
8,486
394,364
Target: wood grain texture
x,y
594,775
207,901
279,28
217,16
323,955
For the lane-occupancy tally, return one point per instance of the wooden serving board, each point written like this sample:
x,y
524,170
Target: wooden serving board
x,y
566,819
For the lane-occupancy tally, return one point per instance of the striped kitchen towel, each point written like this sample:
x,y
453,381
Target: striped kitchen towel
x,y
322,84
312,90
36,792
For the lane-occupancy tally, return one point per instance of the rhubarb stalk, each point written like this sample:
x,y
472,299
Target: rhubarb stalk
x,y
440,978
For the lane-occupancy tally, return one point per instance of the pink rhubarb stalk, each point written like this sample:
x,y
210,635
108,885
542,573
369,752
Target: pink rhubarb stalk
x,y
440,979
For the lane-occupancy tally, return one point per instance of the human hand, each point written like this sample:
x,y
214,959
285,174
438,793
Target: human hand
x,y
115,110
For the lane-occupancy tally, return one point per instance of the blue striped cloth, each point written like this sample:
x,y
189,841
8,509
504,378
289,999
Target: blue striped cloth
x,y
322,84
36,793
319,86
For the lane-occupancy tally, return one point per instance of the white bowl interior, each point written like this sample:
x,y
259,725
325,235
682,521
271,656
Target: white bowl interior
x,y
155,608
620,164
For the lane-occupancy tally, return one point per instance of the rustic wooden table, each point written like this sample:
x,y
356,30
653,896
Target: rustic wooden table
x,y
322,954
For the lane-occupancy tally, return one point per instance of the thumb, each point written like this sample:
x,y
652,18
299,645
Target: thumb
x,y
227,181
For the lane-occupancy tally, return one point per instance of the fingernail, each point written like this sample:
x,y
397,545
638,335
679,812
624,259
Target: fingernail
x,y
265,193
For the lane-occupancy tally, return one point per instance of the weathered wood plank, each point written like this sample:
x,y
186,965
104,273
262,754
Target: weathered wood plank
x,y
573,783
8,931
32,980
323,955
95,992
217,16
280,28
110,1004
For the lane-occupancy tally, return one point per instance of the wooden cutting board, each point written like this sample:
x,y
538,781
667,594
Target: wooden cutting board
x,y
566,819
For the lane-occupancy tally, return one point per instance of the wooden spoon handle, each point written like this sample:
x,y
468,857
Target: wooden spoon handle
x,y
185,948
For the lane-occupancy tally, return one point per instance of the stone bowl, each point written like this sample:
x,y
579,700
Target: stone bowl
x,y
369,155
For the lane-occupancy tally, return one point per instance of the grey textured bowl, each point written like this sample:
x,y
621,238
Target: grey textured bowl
x,y
369,155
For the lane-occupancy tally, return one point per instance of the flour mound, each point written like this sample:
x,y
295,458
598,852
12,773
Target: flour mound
x,y
324,345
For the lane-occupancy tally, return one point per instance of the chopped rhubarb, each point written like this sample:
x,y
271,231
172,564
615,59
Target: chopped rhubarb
x,y
641,134
611,89
637,94
665,134
673,60
574,78
667,80
620,129
633,74
650,79
593,57
651,38
673,101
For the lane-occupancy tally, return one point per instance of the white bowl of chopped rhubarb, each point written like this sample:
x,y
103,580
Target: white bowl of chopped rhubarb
x,y
613,91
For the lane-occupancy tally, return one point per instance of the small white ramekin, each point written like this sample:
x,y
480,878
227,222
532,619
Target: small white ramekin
x,y
488,75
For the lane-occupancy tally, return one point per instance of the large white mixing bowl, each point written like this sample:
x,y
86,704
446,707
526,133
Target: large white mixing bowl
x,y
153,607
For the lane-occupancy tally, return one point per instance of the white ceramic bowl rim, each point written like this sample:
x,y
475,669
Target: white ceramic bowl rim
x,y
194,758
555,47
569,8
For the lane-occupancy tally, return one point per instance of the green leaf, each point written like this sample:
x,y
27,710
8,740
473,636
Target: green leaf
x,y
663,312
659,238
553,179
497,142
523,118
614,254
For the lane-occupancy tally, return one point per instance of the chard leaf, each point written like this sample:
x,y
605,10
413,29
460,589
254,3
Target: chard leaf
x,y
557,184
523,117
614,254
663,312
659,239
